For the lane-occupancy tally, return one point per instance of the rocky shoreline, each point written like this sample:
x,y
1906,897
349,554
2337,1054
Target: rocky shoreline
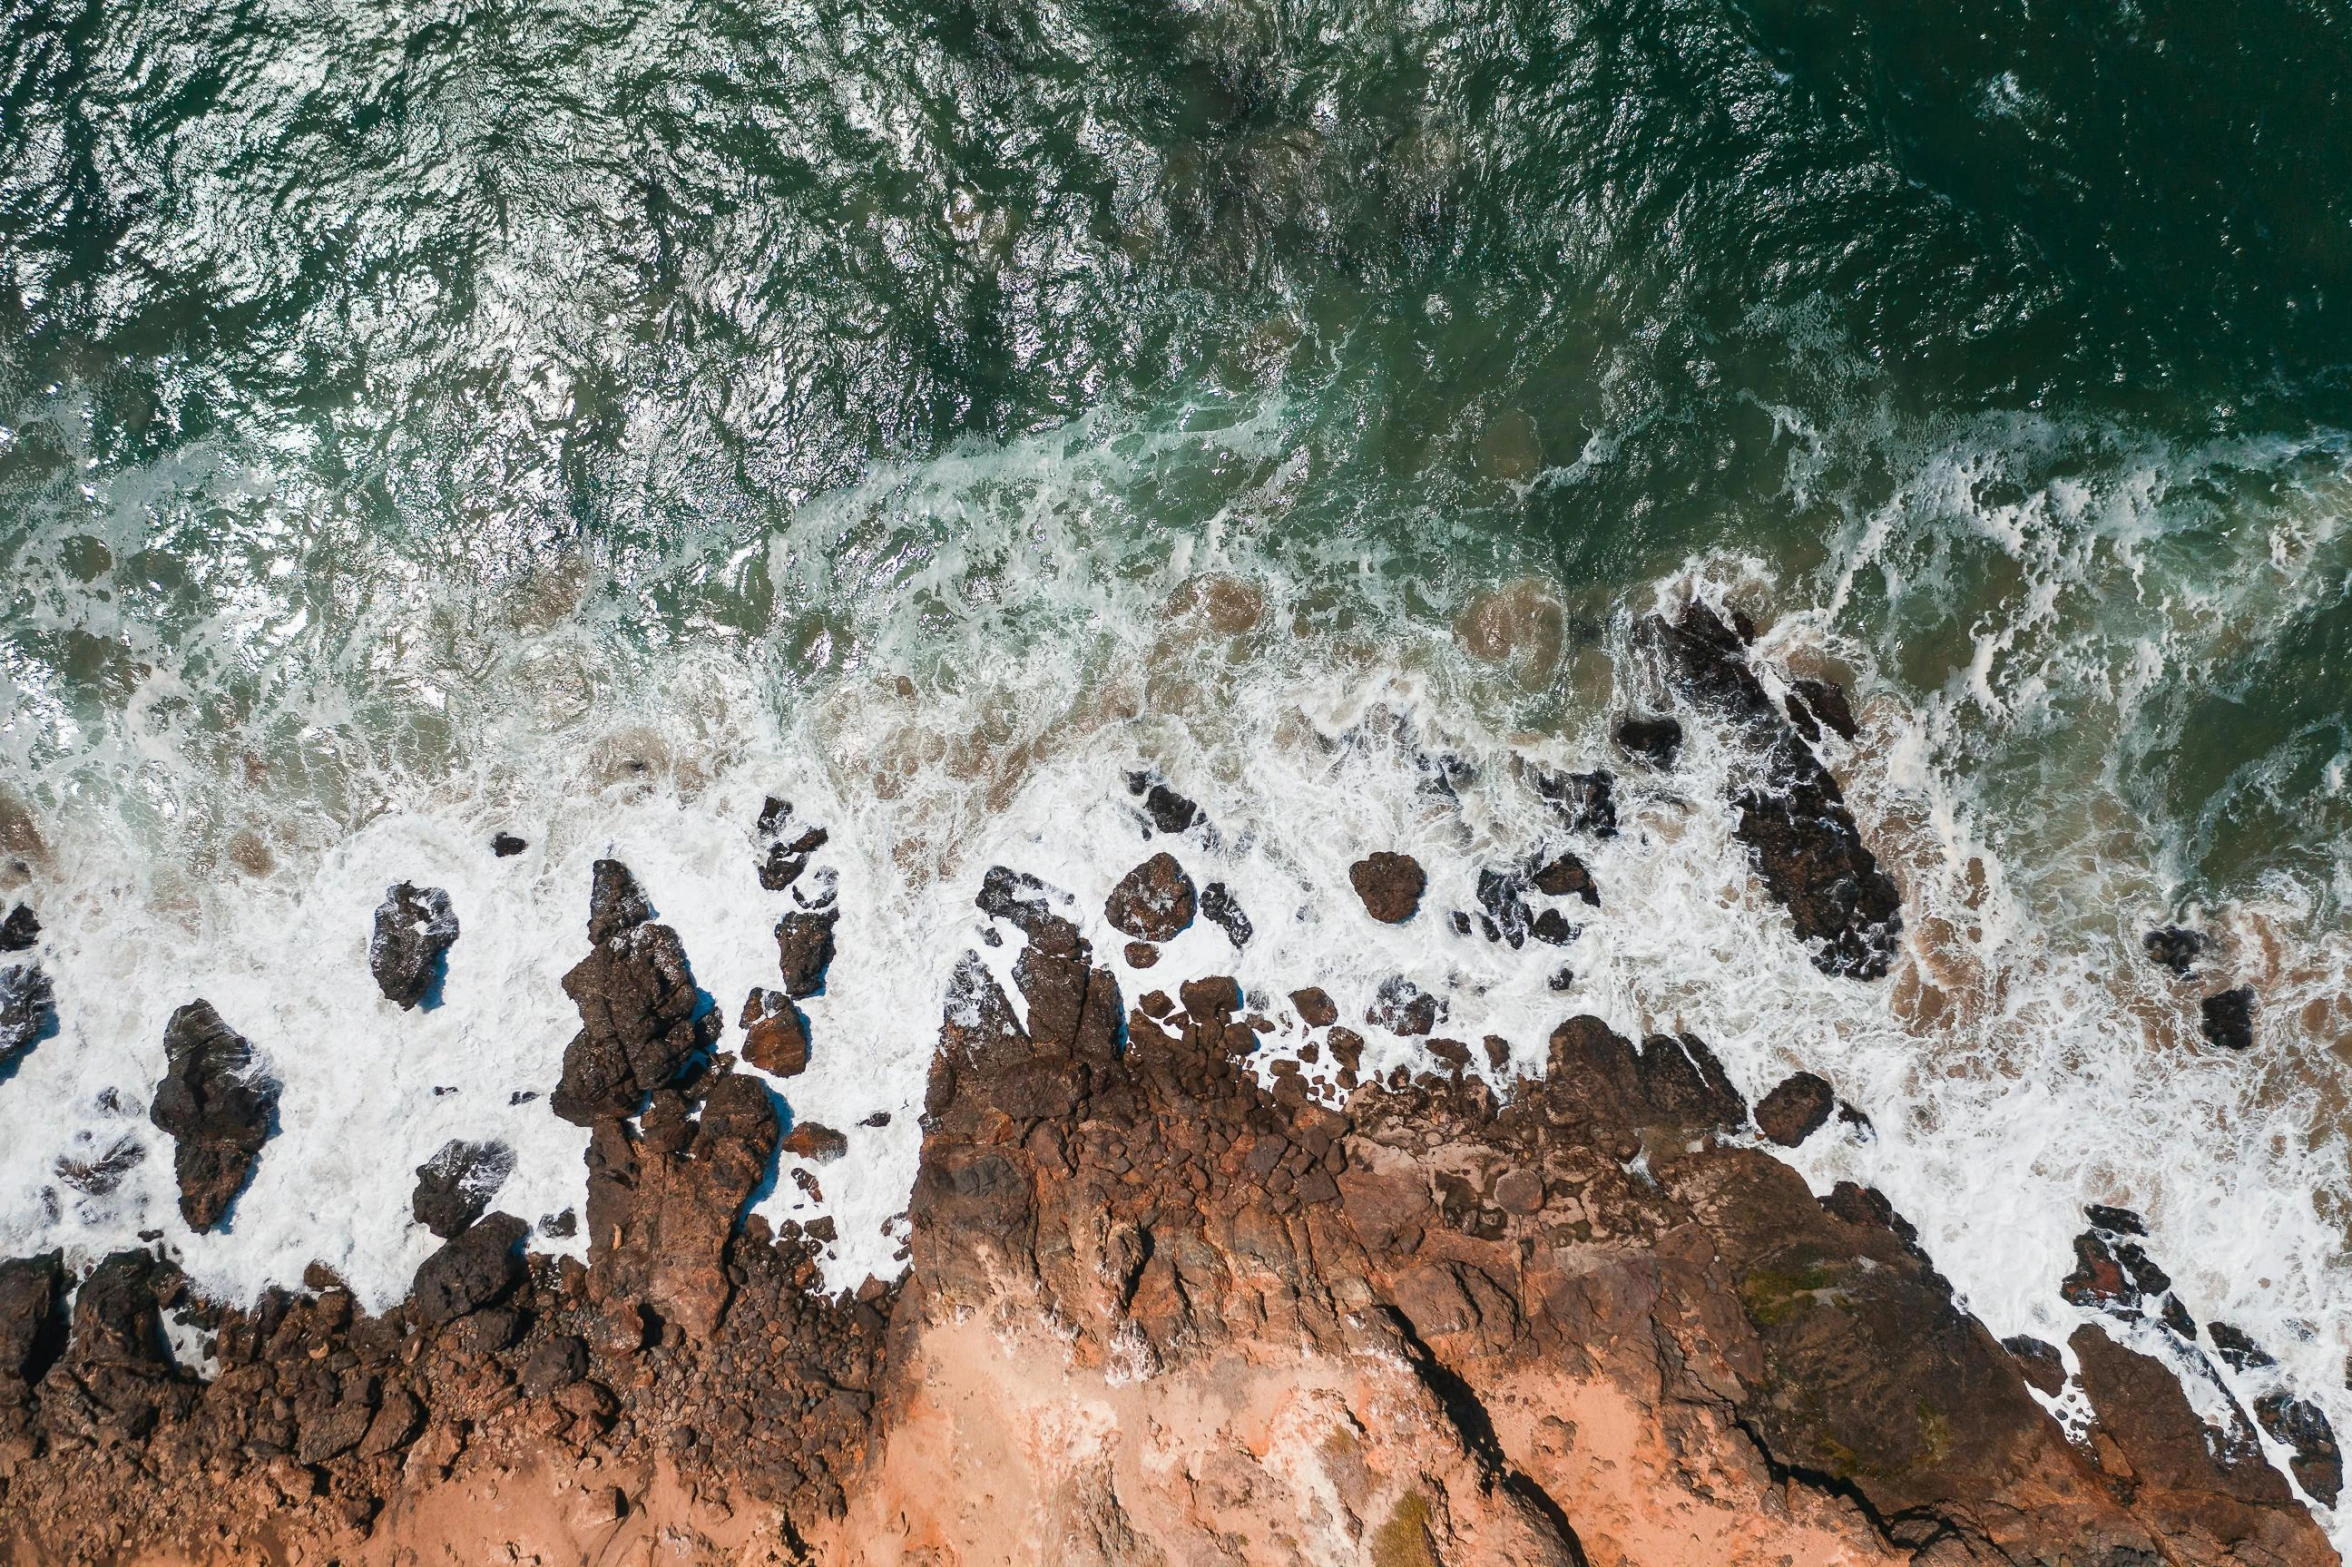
x,y
1159,1307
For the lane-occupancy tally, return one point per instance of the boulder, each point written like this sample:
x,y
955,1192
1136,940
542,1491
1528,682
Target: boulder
x,y
217,1104
1403,1007
775,1035
1220,908
32,1320
2227,1019
1565,876
640,1013
1152,902
28,1008
456,1185
1315,1008
2301,1427
506,845
415,928
1657,741
804,950
816,1141
20,930
1796,1109
472,1270
1169,811
1390,885
2176,949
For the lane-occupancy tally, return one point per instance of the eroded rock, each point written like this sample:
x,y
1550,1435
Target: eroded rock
x,y
1390,885
217,1104
474,1269
455,1186
1796,1109
2227,1019
804,950
641,1017
415,928
28,1009
1153,902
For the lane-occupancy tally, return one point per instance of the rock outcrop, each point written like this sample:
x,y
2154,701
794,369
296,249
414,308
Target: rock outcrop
x,y
28,1007
455,1186
641,1018
415,928
217,1104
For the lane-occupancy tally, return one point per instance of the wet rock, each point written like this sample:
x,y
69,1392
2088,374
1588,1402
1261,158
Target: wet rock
x,y
1210,999
1796,1109
1315,1008
1015,897
2176,949
785,859
1390,885
2237,1350
775,1035
415,928
640,1013
816,1141
1584,802
2228,1019
1153,902
473,1270
2040,1363
1657,741
1169,811
1503,895
506,845
2301,1427
1562,980
1565,876
804,950
28,1009
2140,1406
1220,908
217,1105
1682,1079
1403,1007
1073,1005
20,930
32,1320
455,1186
1140,954
1825,700
1452,1052
2098,1281
98,1176
2115,1221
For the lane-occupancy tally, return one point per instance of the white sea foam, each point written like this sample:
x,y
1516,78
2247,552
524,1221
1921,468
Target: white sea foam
x,y
1004,644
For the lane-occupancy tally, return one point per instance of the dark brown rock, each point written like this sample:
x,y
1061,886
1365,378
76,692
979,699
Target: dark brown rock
x,y
455,1186
1220,908
1796,1109
2301,1427
1315,1008
506,845
1402,1007
1657,741
1680,1077
775,1035
1583,802
2228,1019
2038,1362
1141,954
408,954
804,950
32,1320
473,1270
640,1013
217,1104
20,930
28,1010
1566,876
1152,902
815,1140
2237,1349
1390,885
615,902
2140,1406
555,1365
1826,701
1169,811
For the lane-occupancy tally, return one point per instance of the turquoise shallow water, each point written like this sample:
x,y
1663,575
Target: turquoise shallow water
x,y
420,420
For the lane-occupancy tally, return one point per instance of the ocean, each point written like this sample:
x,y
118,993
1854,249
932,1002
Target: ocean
x,y
590,421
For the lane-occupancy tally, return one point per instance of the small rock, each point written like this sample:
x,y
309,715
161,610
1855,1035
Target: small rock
x,y
775,1036
1390,885
20,930
1219,907
615,902
1796,1109
2229,1019
804,949
28,1005
2040,1363
1552,928
217,1105
815,1141
1016,897
2176,949
1152,902
470,1271
2115,1221
2098,1281
2237,1349
2300,1426
1403,1007
1169,811
785,861
1656,741
1826,700
1498,1051
506,845
1155,1003
1563,980
1347,1048
555,1365
878,1118
1452,1052
560,1226
456,1185
1584,802
1141,954
1567,876
1503,894
1315,1008
415,928
822,1230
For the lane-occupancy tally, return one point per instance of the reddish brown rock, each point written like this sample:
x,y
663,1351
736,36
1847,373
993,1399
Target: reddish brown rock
x,y
804,950
1315,1008
775,1036
815,1140
1796,1109
1390,885
640,1014
1153,902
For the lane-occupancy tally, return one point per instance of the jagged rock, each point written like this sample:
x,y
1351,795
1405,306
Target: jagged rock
x,y
1315,1008
28,1007
103,1174
456,1184
1153,902
2301,1427
1680,1076
816,1141
804,950
2176,949
473,1270
1796,1109
1552,928
785,860
775,1035
1584,802
415,928
2237,1349
20,930
217,1104
1503,895
1795,824
1072,1003
640,1014
2039,1362
2115,1221
1390,885
1169,811
506,845
1566,876
1825,700
1220,908
2141,1408
2228,1019
1019,899
1657,741
1402,1007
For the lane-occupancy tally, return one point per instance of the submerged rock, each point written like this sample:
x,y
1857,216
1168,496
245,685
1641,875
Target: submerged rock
x,y
785,859
1565,876
415,928
28,1006
2228,1019
1390,885
640,1014
1825,701
1153,902
2301,1426
1584,802
217,1104
1657,741
2176,949
1403,1007
456,1184
20,930
1796,1109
